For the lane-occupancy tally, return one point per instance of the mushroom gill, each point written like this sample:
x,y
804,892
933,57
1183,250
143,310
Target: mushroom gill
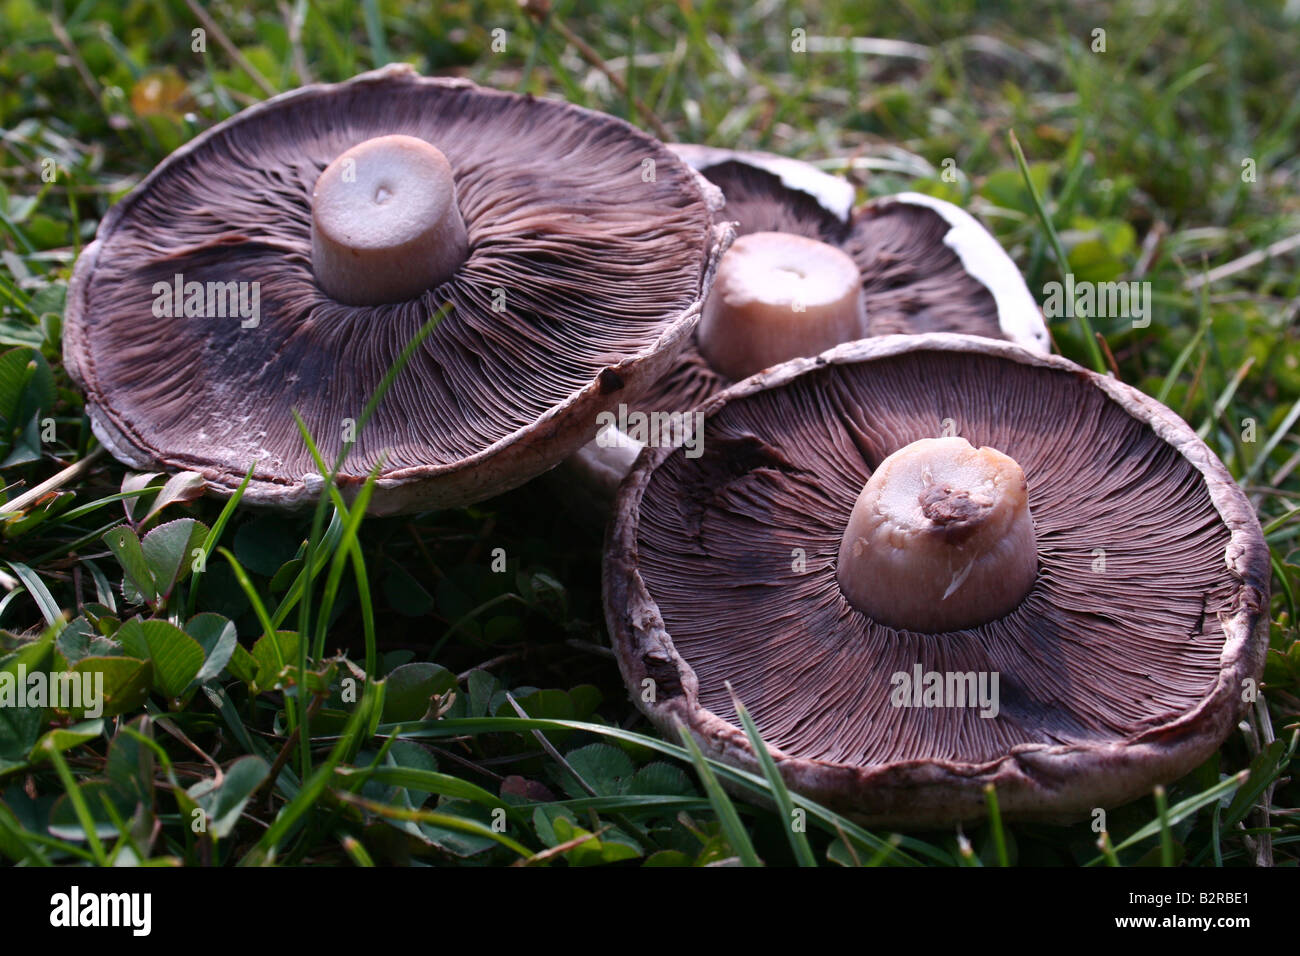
x,y
580,274
1121,664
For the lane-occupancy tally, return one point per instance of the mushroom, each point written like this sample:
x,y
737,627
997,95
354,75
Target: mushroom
x,y
925,265
284,258
807,273
931,563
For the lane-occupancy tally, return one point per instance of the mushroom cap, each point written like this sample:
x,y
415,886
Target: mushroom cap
x,y
927,265
1110,680
834,194
600,268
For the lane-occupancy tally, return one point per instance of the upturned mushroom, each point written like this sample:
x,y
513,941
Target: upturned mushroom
x,y
807,273
804,276
284,258
931,563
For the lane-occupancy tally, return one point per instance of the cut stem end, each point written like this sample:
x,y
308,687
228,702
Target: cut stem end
x,y
777,297
385,225
940,539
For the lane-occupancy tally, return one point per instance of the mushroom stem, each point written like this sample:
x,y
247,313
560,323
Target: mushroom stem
x,y
940,539
776,297
385,225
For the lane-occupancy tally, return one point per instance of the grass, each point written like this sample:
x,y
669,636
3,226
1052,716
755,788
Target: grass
x,y
321,689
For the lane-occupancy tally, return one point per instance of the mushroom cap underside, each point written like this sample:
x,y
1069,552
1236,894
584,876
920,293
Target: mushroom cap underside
x,y
926,265
584,276
1122,667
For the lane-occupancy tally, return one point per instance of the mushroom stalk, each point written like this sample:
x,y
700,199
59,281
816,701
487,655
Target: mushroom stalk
x,y
940,539
776,297
385,225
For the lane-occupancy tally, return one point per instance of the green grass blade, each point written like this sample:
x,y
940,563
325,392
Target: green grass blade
x,y
995,824
643,804
78,800
1225,397
785,807
737,835
367,608
355,850
46,601
1261,459
1108,850
1166,835
1177,368
296,809
829,821
379,55
1179,812
425,781
319,558
214,537
444,820
1062,261
268,628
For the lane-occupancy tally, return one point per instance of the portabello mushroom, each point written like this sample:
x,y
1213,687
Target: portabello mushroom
x,y
874,539
284,258
923,265
807,272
